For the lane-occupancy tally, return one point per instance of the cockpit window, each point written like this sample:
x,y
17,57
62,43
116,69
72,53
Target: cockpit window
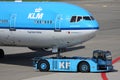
x,y
92,17
79,18
73,19
86,18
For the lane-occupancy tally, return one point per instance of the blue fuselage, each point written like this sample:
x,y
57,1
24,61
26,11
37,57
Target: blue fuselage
x,y
44,16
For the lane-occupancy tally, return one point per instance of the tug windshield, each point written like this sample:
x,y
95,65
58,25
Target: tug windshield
x,y
104,55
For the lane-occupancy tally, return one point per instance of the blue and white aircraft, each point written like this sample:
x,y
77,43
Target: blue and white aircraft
x,y
44,25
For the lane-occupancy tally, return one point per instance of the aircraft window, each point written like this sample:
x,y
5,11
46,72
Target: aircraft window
x,y
79,18
36,22
45,22
73,19
50,22
86,18
42,22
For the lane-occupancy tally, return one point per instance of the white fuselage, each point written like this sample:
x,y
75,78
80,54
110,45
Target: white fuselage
x,y
44,38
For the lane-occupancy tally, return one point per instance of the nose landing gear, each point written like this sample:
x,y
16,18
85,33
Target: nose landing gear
x,y
57,51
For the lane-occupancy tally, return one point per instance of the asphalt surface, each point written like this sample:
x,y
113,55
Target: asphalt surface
x,y
17,64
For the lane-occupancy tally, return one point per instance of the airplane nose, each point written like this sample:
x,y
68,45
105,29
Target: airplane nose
x,y
93,25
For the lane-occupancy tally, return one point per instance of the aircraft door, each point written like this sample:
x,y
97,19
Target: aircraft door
x,y
58,23
12,22
12,30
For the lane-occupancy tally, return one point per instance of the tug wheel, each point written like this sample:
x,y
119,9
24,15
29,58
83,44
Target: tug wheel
x,y
43,65
84,67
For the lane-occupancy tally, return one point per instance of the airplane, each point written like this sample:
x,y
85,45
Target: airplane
x,y
45,25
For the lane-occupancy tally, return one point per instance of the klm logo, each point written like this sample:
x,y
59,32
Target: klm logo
x,y
64,65
37,14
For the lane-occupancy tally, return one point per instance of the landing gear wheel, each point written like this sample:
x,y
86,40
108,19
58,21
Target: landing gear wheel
x,y
43,65
84,67
1,53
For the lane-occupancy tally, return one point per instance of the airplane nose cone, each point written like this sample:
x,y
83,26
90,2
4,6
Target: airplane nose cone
x,y
93,25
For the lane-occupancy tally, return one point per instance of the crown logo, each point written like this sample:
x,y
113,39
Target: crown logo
x,y
38,9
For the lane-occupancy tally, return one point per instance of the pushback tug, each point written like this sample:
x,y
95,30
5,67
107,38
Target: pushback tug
x,y
100,62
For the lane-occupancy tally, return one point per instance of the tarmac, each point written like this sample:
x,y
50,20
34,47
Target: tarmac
x,y
17,64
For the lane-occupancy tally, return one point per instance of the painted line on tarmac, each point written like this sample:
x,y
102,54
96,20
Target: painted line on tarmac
x,y
103,75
